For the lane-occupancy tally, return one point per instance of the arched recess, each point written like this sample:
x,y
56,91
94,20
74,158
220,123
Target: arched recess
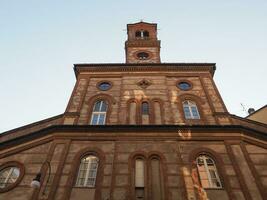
x,y
157,177
75,170
91,102
199,103
132,114
137,191
193,155
158,116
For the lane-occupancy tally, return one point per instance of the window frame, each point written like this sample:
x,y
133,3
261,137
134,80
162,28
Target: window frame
x,y
99,113
98,85
190,104
14,164
145,108
204,157
87,172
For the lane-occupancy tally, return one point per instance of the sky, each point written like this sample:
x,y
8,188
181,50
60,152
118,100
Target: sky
x,y
41,40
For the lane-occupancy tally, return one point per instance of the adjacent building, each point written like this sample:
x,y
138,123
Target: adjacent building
x,y
141,130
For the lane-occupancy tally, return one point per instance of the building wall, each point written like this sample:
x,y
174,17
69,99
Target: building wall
x,y
242,165
259,116
162,88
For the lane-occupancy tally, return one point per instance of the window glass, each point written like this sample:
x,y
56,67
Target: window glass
x,y
190,110
145,108
104,86
207,171
101,119
87,171
184,85
97,106
99,113
8,176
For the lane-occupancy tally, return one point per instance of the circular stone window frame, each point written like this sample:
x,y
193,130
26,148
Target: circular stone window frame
x,y
21,168
144,51
184,81
101,82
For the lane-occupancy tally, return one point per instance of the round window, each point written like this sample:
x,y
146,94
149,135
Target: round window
x,y
8,176
104,86
184,85
142,56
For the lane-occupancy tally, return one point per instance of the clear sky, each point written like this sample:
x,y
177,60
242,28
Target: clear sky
x,y
41,40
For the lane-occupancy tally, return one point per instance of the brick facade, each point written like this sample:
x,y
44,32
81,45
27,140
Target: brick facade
x,y
238,146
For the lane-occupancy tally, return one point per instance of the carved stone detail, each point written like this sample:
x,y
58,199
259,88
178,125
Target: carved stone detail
x,y
144,83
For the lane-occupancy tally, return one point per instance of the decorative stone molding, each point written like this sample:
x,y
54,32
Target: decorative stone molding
x,y
144,83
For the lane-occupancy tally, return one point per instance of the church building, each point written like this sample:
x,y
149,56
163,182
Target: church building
x,y
139,130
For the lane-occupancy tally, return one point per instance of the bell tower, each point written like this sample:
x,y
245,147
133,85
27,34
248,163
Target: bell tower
x,y
142,45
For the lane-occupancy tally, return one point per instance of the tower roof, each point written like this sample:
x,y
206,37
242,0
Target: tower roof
x,y
141,23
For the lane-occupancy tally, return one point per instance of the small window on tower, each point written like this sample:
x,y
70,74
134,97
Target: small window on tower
x,y
146,34
142,56
141,34
138,34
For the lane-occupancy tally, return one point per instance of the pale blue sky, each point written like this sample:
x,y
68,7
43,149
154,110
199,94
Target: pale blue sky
x,y
41,40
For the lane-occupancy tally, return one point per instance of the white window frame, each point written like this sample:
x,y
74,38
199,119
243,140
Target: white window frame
x,y
88,168
207,170
190,105
99,113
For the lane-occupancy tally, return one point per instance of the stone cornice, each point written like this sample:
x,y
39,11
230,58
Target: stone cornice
x,y
121,67
123,130
142,43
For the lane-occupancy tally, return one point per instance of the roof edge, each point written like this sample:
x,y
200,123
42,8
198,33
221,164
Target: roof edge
x,y
31,125
79,66
256,111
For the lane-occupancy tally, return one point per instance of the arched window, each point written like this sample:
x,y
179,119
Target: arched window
x,y
208,174
141,34
139,178
142,55
145,112
99,113
146,34
87,171
145,108
138,34
190,110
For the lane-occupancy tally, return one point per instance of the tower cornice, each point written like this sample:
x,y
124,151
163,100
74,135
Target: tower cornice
x,y
120,67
